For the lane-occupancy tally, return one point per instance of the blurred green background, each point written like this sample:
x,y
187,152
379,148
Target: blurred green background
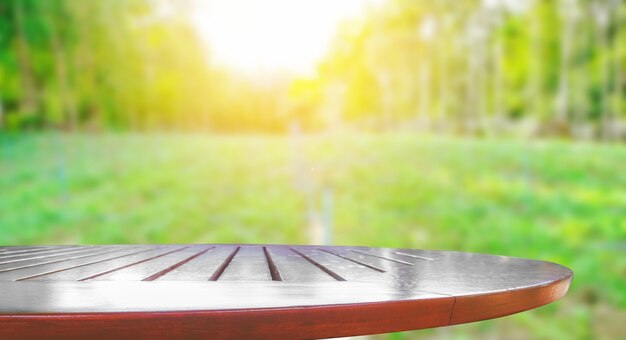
x,y
493,126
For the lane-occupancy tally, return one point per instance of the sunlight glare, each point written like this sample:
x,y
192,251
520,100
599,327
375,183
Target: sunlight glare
x,y
265,36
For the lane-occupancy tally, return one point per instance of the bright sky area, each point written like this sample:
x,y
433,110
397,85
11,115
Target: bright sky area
x,y
267,36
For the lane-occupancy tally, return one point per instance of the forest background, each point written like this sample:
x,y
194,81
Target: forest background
x,y
492,126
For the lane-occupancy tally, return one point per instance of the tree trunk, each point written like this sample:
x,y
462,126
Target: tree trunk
x,y
28,99
534,81
442,60
1,114
498,84
603,22
424,105
562,101
580,80
618,86
497,53
61,72
82,59
470,89
475,84
483,113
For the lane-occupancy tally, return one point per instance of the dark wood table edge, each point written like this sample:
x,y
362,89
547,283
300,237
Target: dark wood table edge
x,y
471,308
290,322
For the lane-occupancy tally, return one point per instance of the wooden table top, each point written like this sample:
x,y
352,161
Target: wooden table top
x,y
234,291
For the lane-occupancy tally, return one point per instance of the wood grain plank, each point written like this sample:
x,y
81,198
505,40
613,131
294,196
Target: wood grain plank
x,y
235,291
178,264
17,250
349,270
200,268
44,273
359,262
42,254
248,265
86,271
139,269
388,257
273,269
222,267
10,271
321,266
294,268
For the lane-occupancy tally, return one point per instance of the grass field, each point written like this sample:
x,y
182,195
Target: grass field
x,y
553,200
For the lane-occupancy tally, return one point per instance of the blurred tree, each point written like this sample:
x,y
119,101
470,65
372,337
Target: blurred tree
x,y
28,97
602,18
493,62
618,59
471,66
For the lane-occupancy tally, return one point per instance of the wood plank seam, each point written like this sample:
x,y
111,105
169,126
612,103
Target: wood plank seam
x,y
130,265
84,264
220,270
353,260
382,257
55,261
320,266
274,272
174,266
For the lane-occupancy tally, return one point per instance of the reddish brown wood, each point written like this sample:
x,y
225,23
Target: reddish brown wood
x,y
242,291
488,306
309,322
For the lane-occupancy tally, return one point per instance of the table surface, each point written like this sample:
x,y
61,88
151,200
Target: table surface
x,y
233,291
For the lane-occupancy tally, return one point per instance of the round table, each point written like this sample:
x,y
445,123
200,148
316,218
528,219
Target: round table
x,y
260,291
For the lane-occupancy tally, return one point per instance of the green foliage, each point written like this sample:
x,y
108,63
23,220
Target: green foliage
x,y
474,64
116,64
478,67
552,200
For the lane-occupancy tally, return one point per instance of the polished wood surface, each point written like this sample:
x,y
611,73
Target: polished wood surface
x,y
261,291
